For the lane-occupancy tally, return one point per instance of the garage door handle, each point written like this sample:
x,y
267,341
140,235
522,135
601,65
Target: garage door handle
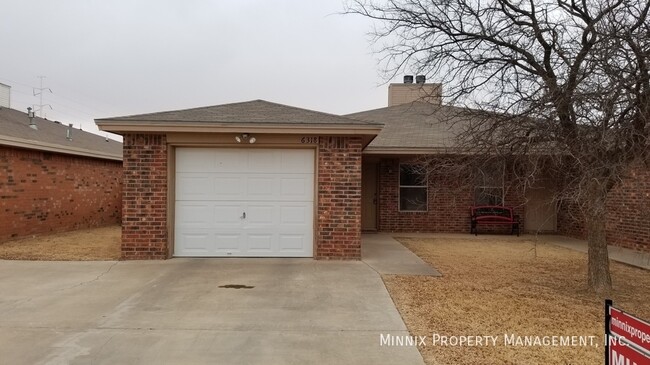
x,y
243,216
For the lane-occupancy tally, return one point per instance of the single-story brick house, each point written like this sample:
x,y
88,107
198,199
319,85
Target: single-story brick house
x,y
55,178
264,179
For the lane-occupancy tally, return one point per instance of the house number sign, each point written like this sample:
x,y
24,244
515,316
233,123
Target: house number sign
x,y
309,140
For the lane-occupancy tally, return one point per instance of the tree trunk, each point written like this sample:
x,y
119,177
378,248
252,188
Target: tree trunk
x,y
598,275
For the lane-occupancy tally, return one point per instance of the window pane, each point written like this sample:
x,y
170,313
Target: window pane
x,y
490,174
413,199
412,175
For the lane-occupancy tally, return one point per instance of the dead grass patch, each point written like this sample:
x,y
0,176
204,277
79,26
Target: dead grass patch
x,y
82,245
495,286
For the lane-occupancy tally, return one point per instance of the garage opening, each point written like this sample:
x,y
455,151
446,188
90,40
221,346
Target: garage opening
x,y
244,202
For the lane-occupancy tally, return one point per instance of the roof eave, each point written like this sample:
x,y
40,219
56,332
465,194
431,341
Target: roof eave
x,y
151,126
50,147
372,150
376,150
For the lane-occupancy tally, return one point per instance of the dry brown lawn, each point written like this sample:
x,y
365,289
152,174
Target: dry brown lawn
x,y
496,286
82,245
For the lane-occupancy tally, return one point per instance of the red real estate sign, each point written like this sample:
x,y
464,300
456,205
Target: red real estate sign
x,y
628,338
635,330
624,354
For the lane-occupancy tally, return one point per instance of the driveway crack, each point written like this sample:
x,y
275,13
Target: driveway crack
x,y
92,280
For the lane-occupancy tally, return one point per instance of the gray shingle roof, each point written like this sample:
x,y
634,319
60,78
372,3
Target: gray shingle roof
x,y
253,112
416,125
51,136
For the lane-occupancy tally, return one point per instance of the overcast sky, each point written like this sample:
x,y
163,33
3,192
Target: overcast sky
x,y
113,58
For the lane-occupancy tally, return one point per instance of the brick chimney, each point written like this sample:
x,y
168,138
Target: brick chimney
x,y
408,92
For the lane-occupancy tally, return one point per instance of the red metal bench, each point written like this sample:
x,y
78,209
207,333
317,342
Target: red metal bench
x,y
493,215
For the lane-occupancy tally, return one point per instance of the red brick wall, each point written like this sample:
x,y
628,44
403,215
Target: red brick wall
x,y
144,204
339,198
448,204
628,213
144,227
44,192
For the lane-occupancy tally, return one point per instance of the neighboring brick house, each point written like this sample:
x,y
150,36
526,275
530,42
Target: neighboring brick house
x,y
54,178
263,179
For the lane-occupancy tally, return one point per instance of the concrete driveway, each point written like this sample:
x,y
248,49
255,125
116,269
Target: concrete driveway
x,y
299,311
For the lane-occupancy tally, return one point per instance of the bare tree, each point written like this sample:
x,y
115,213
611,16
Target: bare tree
x,y
563,83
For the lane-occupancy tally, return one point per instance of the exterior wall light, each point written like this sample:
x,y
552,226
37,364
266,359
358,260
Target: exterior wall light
x,y
245,137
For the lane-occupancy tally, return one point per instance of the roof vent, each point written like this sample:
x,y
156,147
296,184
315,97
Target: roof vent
x,y
68,133
420,79
408,79
30,115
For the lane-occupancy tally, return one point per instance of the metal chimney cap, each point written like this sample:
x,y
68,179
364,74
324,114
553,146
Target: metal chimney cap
x,y
420,79
408,79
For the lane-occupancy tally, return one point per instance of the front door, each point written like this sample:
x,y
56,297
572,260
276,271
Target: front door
x,y
541,209
369,196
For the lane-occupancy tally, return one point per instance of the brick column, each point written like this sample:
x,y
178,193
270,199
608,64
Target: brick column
x,y
144,199
339,198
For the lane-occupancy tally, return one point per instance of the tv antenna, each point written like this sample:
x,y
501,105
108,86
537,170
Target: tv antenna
x,y
38,91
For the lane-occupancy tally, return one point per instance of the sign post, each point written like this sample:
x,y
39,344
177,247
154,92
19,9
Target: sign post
x,y
627,338
608,304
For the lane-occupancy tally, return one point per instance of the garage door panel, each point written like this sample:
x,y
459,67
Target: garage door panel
x,y
258,243
277,187
274,188
193,186
261,187
227,214
194,159
295,215
196,243
252,187
209,186
193,214
260,215
297,162
229,243
293,242
227,187
297,188
264,161
228,160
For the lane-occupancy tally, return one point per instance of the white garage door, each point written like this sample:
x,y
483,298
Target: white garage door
x,y
244,202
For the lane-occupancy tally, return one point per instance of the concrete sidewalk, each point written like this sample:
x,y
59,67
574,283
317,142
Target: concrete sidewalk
x,y
387,256
297,311
620,254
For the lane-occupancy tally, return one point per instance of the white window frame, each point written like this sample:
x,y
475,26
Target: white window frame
x,y
400,186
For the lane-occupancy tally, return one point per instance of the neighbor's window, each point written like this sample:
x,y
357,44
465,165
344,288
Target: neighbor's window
x,y
412,188
489,184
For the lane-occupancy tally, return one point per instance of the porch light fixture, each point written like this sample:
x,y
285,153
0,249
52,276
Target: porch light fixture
x,y
245,137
